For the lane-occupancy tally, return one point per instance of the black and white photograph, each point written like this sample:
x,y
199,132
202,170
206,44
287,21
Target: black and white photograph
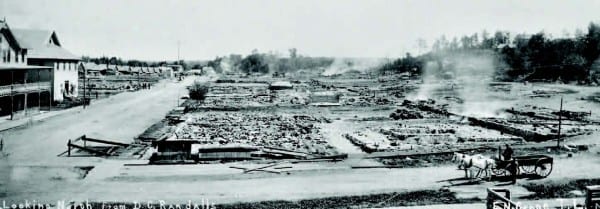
x,y
299,104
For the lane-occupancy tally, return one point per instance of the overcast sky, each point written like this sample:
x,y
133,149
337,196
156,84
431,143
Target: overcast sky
x,y
150,29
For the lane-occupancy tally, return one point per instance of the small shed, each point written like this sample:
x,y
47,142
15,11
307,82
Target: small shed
x,y
174,145
280,85
325,96
224,152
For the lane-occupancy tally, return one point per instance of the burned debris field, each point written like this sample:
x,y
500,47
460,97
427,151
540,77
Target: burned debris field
x,y
383,104
353,123
279,118
356,136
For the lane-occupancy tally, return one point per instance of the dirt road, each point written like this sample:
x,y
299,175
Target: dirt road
x,y
111,181
32,151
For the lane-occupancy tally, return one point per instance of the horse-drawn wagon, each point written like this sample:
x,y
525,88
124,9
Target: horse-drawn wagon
x,y
540,165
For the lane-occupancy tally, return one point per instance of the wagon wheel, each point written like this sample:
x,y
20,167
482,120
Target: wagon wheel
x,y
528,169
497,171
543,169
504,171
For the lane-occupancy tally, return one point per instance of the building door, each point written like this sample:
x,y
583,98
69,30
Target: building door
x,y
67,86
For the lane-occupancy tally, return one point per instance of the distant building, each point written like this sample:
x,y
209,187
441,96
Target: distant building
x,y
44,49
91,69
124,70
23,87
110,70
176,68
166,72
325,96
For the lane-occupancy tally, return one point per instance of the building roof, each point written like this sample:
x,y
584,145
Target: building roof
x,y
90,66
215,147
12,41
124,68
51,52
38,44
30,38
135,69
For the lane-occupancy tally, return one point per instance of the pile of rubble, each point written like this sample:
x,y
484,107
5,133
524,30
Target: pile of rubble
x,y
404,114
544,113
292,132
365,101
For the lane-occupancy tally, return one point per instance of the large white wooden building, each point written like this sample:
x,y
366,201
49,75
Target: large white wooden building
x,y
44,49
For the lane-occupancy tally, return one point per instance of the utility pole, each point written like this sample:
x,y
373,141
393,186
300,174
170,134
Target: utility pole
x,y
39,92
559,123
84,86
89,89
12,102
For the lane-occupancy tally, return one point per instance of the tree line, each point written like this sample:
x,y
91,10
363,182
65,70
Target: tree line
x,y
524,56
263,63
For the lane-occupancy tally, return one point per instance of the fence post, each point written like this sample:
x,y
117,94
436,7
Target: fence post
x,y
69,148
493,195
592,197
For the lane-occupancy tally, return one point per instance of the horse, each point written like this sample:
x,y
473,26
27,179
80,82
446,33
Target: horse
x,y
474,162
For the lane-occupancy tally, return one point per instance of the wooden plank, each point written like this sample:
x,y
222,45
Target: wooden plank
x,y
265,170
376,166
105,142
262,167
89,150
79,138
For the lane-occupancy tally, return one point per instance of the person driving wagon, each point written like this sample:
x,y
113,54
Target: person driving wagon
x,y
507,155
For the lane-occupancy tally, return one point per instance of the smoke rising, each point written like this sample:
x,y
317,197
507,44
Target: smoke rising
x,y
464,77
429,80
343,65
